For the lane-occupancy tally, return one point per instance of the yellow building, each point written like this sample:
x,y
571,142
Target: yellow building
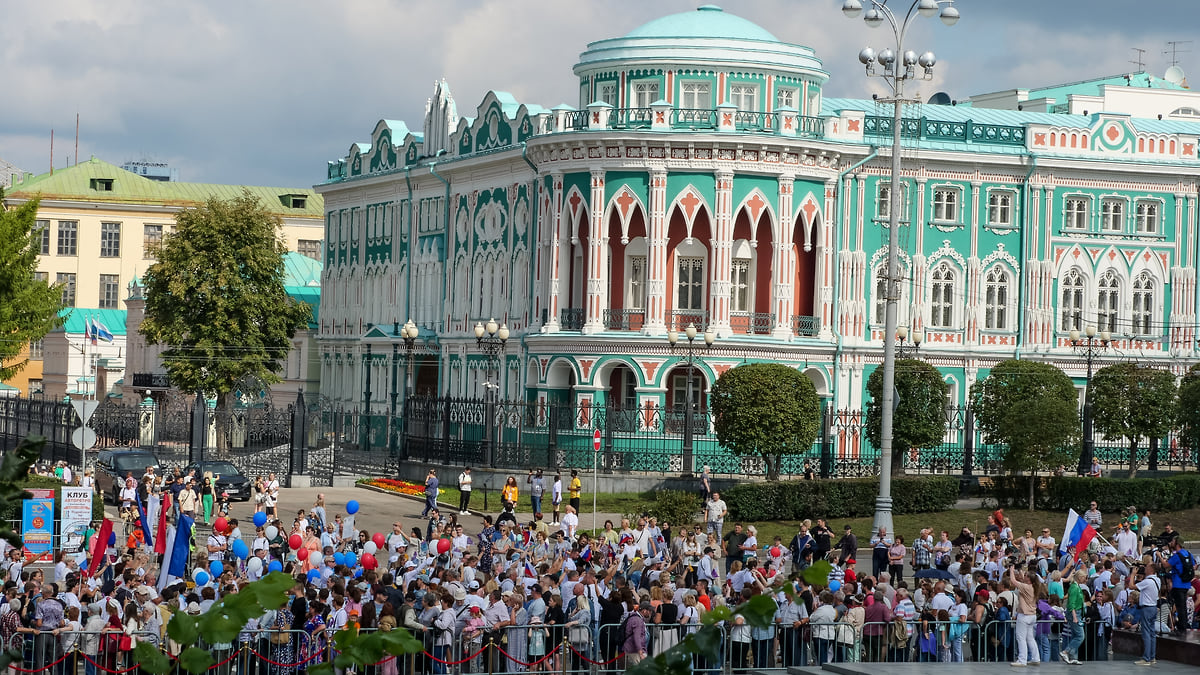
x,y
99,225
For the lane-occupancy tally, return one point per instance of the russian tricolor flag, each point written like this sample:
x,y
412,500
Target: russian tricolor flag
x,y
586,553
1078,534
530,573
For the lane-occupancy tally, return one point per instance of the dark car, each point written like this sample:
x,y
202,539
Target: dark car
x,y
228,477
113,466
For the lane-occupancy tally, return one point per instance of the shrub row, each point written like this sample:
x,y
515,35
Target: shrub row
x,y
842,498
1174,493
14,511
673,506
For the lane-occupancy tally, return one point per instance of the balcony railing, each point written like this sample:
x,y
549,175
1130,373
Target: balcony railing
x,y
571,318
577,119
624,319
692,118
752,323
806,326
678,319
630,118
940,130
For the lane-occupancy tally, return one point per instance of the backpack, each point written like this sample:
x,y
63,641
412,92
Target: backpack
x,y
621,630
1187,566
898,633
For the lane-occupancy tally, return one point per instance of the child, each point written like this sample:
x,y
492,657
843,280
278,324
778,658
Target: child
x,y
473,636
539,635
223,505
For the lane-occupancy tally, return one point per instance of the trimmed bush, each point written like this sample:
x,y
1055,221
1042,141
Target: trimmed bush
x,y
840,498
673,506
1175,493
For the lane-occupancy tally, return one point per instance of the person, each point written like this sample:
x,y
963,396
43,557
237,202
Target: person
x,y
1180,559
715,511
1148,586
464,491
207,496
1095,471
1026,624
271,497
574,488
635,634
509,493
431,492
848,547
556,497
880,543
808,471
1093,516
537,487
570,522
188,499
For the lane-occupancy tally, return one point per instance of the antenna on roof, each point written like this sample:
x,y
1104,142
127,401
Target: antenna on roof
x,y
1174,48
1139,62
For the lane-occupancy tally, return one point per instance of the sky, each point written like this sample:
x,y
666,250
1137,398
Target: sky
x,y
265,92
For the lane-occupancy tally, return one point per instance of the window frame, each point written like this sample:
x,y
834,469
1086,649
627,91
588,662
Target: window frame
x,y
883,206
793,92
744,90
1077,220
942,296
696,283
151,244
637,97
316,245
1147,214
636,287
1112,211
996,295
1143,303
110,239
68,238
741,298
42,227
69,287
1071,313
684,94
1108,302
109,282
600,93
940,203
1011,197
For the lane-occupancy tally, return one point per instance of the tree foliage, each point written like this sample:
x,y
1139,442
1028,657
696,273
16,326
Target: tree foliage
x,y
766,409
919,418
1188,412
216,297
1132,402
1031,407
28,308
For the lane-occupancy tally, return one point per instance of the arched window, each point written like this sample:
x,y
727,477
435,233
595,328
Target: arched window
x,y
996,299
1107,302
881,293
941,297
1071,306
1143,304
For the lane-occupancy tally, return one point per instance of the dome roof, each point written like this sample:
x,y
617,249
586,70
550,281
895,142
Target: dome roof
x,y
708,21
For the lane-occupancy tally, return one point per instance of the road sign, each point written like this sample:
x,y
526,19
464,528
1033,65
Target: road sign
x,y
596,441
83,438
85,409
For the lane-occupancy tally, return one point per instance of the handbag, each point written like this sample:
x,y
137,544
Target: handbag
x,y
281,638
579,635
125,644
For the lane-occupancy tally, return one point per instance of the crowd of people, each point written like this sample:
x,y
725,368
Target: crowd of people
x,y
540,594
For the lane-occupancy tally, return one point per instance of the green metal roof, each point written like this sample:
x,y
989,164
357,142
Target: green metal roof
x,y
1141,80
708,21
75,183
301,270
74,319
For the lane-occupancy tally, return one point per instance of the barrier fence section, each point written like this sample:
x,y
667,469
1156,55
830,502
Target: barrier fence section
x,y
572,649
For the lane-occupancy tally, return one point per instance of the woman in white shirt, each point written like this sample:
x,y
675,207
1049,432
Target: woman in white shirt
x,y
87,481
751,544
823,620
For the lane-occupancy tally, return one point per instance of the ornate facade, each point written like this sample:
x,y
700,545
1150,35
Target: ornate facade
x,y
704,180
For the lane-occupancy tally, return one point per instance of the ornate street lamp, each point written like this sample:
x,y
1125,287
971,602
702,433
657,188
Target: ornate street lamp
x,y
491,340
1089,345
899,66
689,405
908,348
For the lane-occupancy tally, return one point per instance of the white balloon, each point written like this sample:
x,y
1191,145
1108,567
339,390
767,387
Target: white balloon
x,y
271,532
255,564
197,572
370,547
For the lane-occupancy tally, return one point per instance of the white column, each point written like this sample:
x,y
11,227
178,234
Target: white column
x,y
719,259
597,260
656,263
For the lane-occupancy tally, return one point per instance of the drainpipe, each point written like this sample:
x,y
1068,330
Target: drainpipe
x,y
1022,256
445,226
837,353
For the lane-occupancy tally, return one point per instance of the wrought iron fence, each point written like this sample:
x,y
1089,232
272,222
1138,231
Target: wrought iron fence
x,y
571,318
624,319
752,323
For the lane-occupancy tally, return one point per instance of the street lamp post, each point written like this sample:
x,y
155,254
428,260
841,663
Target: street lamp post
x,y
907,348
690,359
898,67
408,333
1089,345
491,340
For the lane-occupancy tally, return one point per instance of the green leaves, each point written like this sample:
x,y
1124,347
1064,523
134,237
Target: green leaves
x,y
151,659
28,308
13,468
195,660
766,409
817,574
1133,402
919,420
183,628
1032,407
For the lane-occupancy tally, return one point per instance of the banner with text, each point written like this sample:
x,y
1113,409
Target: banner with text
x,y
76,516
37,527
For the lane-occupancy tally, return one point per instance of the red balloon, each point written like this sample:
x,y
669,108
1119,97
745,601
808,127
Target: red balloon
x,y
775,552
221,525
301,554
295,541
379,540
443,545
368,561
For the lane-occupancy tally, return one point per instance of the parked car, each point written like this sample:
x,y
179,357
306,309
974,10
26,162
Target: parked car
x,y
113,466
228,477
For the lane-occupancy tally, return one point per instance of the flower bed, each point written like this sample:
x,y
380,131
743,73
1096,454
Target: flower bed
x,y
402,487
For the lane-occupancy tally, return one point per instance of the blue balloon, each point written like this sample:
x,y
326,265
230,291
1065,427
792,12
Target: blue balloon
x,y
275,566
202,578
358,573
352,507
351,560
216,567
313,575
260,519
339,558
835,585
240,550
112,539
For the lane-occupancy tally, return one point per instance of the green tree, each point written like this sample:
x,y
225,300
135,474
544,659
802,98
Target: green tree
x,y
1133,402
28,308
919,417
766,409
1032,407
1188,412
216,298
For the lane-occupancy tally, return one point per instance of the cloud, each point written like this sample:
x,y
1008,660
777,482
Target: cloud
x,y
267,92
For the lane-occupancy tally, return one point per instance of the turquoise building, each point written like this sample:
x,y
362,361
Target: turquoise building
x,y
701,178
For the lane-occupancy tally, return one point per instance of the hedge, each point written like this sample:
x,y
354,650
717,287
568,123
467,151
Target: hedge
x,y
45,482
839,498
1174,493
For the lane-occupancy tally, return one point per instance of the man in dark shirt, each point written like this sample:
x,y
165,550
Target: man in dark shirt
x,y
823,535
848,545
733,546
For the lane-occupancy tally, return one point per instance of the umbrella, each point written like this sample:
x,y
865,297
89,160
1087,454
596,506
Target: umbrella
x,y
934,574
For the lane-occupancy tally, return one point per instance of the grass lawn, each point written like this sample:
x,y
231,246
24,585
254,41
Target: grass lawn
x,y
1186,522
